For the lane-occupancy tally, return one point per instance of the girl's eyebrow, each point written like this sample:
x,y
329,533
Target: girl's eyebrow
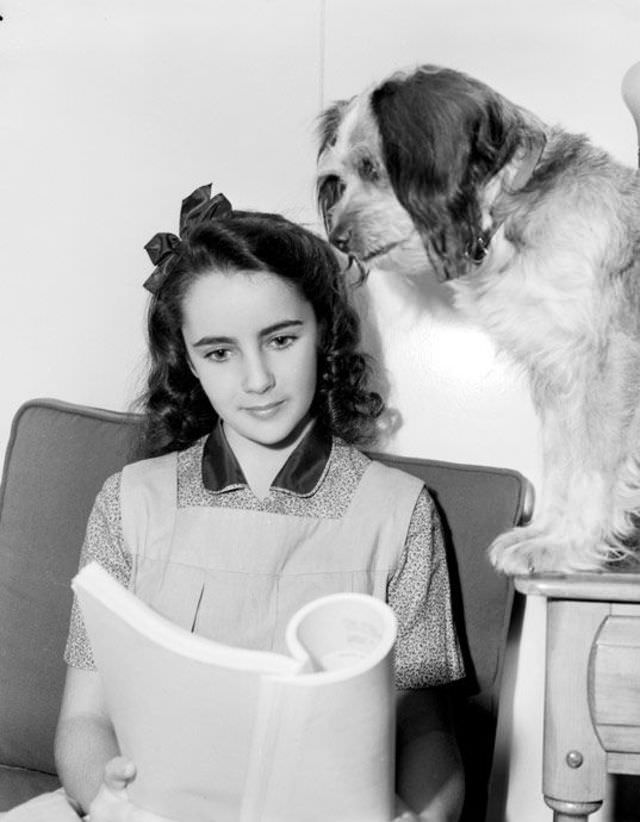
x,y
270,329
203,341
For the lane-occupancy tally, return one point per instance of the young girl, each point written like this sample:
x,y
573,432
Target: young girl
x,y
253,499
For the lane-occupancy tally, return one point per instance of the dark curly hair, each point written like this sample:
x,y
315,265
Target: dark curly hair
x,y
177,411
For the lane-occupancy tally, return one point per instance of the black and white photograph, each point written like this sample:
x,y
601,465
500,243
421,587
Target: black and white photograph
x,y
320,420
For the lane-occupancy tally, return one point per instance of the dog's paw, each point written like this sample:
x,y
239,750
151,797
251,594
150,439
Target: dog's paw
x,y
537,550
520,551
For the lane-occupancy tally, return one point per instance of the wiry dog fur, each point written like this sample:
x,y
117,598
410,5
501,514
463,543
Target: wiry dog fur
x,y
538,233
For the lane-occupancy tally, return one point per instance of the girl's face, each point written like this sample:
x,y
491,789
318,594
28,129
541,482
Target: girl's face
x,y
252,340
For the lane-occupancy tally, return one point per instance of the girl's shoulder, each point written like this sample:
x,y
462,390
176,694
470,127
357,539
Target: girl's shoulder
x,y
150,466
348,454
150,473
392,479
165,466
134,476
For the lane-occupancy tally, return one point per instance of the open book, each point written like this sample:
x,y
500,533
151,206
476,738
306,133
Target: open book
x,y
224,734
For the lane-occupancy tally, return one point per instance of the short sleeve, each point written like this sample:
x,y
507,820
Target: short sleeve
x,y
104,543
427,649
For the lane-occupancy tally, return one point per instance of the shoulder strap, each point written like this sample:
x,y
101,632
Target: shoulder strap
x,y
389,492
148,501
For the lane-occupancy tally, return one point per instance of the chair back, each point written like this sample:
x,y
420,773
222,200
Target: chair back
x,y
57,458
476,503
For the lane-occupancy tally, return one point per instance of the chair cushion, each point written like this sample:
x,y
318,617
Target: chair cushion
x,y
476,503
57,459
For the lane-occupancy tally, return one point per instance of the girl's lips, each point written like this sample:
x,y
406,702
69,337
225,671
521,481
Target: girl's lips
x,y
264,410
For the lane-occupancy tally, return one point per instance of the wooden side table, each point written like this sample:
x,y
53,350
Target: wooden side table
x,y
592,686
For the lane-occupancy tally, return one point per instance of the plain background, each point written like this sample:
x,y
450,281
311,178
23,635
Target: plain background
x,y
111,111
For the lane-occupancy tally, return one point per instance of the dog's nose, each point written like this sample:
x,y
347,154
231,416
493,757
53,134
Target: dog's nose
x,y
340,237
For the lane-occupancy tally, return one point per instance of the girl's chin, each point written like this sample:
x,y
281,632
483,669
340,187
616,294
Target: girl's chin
x,y
270,433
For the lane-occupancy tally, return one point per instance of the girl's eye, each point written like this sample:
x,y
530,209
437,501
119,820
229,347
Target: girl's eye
x,y
218,354
282,341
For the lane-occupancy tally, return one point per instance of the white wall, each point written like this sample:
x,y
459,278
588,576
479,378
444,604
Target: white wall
x,y
113,110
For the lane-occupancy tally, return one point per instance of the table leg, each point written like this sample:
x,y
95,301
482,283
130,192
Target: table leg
x,y
574,774
572,811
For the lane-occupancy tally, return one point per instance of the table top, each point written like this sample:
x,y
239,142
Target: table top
x,y
606,586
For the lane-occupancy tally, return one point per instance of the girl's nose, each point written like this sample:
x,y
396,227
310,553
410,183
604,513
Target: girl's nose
x,y
258,377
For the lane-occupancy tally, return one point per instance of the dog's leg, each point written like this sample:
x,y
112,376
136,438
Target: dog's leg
x,y
591,483
624,520
567,528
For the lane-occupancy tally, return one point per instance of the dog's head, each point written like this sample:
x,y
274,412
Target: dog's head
x,y
409,172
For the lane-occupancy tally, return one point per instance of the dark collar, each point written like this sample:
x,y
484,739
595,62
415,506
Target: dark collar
x,y
300,474
478,247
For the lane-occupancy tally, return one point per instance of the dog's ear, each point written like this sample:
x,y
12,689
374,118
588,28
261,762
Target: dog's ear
x,y
444,137
532,140
329,187
328,124
328,191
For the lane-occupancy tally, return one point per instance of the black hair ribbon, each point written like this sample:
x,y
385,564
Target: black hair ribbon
x,y
198,208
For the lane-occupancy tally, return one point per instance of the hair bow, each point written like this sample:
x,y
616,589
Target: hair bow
x,y
197,208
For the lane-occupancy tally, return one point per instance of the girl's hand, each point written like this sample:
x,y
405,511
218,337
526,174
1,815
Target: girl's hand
x,y
112,803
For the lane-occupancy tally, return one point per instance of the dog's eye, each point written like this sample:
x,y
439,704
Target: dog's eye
x,y
368,169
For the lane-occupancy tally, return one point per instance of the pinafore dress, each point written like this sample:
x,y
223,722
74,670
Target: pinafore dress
x,y
237,575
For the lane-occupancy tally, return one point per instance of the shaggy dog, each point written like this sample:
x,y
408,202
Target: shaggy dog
x,y
538,233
